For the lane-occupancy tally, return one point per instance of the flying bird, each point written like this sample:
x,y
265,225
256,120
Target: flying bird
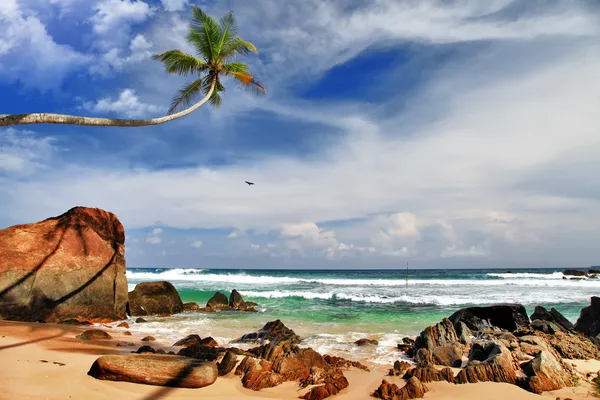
x,y
249,183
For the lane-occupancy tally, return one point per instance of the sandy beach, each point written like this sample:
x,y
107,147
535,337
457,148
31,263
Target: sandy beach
x,y
46,361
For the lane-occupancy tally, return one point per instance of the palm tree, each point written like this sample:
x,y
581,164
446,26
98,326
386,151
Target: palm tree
x,y
217,46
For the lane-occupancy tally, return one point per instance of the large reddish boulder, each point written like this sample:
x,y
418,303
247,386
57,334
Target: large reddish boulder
x,y
70,266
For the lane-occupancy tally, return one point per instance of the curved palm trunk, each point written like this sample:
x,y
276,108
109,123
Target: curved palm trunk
x,y
44,118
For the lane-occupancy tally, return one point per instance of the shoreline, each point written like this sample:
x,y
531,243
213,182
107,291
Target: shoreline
x,y
32,355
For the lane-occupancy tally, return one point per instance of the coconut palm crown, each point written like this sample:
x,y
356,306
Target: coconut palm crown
x,y
217,47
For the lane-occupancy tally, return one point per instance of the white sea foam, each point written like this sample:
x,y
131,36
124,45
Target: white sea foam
x,y
198,275
430,297
526,275
278,294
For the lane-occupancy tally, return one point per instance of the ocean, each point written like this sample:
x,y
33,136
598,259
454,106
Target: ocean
x,y
331,309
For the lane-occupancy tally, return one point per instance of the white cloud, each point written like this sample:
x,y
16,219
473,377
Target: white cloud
x,y
113,20
233,235
197,244
154,236
139,50
23,153
29,54
174,5
128,104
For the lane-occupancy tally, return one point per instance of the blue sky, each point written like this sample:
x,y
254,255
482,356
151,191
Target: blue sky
x,y
446,133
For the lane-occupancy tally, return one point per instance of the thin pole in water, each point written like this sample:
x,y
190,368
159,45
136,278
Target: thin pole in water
x,y
407,274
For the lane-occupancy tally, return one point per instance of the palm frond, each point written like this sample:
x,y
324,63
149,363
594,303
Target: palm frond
x,y
248,81
236,66
228,30
178,62
208,31
237,46
186,94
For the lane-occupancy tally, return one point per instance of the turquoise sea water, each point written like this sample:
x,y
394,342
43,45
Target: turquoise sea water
x,y
331,309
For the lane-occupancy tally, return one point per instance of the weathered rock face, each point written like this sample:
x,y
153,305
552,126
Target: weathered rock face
x,y
155,369
449,355
573,345
589,319
488,362
436,335
509,317
70,266
227,364
545,372
151,298
274,331
235,299
413,389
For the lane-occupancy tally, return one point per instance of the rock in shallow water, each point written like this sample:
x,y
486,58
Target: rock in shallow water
x,y
153,298
155,369
70,266
191,306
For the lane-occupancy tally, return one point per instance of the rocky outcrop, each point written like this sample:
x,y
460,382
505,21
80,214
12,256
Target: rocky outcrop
x,y
155,369
94,334
219,300
413,389
70,266
552,316
274,364
152,298
489,361
588,322
436,335
274,332
545,372
508,317
235,302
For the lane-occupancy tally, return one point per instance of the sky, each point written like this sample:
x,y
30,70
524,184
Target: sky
x,y
446,134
